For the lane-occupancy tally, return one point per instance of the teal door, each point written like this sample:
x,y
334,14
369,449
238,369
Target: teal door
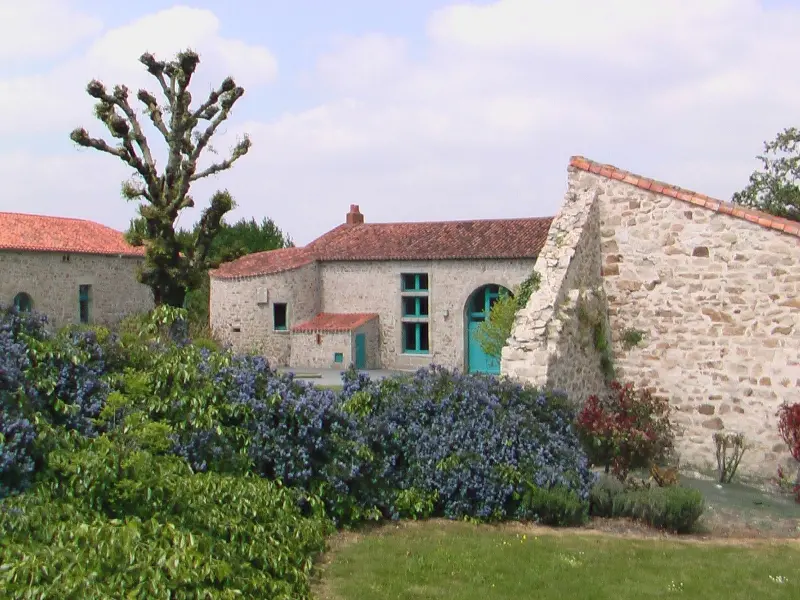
x,y
361,351
478,308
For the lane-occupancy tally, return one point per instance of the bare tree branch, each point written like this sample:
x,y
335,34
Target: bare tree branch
x,y
173,263
239,150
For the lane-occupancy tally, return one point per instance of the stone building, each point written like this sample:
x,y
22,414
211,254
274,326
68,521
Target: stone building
x,y
375,295
701,299
71,270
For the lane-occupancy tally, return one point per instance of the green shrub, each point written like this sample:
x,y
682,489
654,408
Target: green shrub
x,y
111,520
602,495
555,506
674,509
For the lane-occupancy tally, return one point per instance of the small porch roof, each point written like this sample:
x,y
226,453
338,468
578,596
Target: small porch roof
x,y
334,322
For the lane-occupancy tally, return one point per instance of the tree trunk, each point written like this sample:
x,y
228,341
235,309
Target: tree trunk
x,y
169,296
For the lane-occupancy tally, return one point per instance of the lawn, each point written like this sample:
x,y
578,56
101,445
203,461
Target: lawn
x,y
467,562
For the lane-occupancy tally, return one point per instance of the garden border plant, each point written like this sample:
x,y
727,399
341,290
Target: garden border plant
x,y
141,439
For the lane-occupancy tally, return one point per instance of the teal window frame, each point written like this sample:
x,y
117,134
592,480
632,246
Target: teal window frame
x,y
415,329
418,328
285,325
23,302
421,282
419,302
85,303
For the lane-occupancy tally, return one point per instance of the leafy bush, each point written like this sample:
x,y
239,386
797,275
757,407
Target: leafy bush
x,y
18,454
555,506
173,534
473,442
789,427
603,494
672,508
625,429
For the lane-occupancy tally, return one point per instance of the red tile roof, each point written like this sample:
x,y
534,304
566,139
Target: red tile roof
x,y
658,187
335,322
60,234
442,240
264,263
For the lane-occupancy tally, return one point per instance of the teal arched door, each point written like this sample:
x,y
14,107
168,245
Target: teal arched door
x,y
478,306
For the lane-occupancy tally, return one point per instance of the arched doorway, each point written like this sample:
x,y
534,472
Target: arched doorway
x,y
23,302
477,309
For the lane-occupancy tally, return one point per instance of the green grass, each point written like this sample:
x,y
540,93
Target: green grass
x,y
460,561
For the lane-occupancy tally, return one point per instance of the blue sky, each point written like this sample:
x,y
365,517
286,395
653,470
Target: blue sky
x,y
414,110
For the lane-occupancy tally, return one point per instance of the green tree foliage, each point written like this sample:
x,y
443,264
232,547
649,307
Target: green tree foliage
x,y
232,241
173,264
775,188
494,332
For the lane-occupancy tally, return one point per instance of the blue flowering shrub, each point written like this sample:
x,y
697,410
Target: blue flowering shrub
x,y
163,468
460,446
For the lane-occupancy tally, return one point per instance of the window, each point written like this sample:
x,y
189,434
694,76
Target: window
x,y
415,312
415,338
415,282
338,357
415,306
280,322
85,303
23,302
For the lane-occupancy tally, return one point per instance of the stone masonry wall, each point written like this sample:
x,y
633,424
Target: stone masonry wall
x,y
349,287
307,353
53,283
718,300
551,343
247,304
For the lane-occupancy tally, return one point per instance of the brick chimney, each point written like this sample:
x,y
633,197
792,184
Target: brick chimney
x,y
354,217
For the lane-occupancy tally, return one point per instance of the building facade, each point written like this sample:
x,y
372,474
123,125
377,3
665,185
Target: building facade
x,y
72,270
710,290
383,295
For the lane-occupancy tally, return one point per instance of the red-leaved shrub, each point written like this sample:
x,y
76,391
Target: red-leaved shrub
x,y
789,427
625,429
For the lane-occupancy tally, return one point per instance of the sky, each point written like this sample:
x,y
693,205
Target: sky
x,y
413,109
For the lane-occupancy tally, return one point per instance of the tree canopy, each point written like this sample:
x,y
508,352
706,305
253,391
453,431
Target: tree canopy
x,y
173,264
775,188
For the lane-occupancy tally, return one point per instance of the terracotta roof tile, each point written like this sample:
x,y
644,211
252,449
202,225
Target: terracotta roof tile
x,y
726,208
40,233
264,263
335,322
442,240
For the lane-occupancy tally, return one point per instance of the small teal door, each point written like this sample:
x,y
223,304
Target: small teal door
x,y
478,307
361,351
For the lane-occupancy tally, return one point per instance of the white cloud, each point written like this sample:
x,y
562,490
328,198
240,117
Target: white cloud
x,y
56,99
479,123
37,29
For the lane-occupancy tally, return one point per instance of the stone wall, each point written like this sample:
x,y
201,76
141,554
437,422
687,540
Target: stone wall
x,y
717,299
52,282
242,310
352,287
552,342
307,353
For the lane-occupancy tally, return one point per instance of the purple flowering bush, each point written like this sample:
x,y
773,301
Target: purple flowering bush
x,y
459,446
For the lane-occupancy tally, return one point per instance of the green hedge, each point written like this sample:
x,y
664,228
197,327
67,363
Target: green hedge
x,y
675,509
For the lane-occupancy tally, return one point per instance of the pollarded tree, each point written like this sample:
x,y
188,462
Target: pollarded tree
x,y
775,189
172,265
